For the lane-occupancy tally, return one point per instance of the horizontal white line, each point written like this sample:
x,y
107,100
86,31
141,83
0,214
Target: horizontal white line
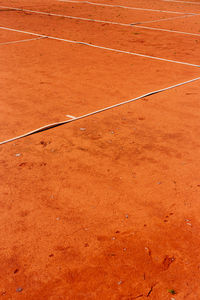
x,y
92,20
167,30
126,7
49,126
22,41
182,1
104,48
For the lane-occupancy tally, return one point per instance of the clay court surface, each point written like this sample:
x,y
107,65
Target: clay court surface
x,y
105,206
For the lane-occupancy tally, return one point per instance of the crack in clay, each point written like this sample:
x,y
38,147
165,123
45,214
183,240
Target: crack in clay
x,y
151,290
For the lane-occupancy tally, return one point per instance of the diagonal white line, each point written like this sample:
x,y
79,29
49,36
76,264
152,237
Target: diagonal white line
x,y
65,16
104,48
167,19
187,2
126,7
92,20
167,30
49,126
22,41
110,22
70,117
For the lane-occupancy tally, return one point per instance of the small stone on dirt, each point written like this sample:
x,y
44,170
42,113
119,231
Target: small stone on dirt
x,y
18,290
17,154
82,129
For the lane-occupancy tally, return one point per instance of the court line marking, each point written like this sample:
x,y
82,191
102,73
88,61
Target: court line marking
x,y
53,125
22,41
121,6
104,48
167,19
167,30
65,16
114,23
93,20
181,1
70,117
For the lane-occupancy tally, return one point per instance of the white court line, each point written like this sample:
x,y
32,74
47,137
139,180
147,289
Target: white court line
x,y
69,17
126,7
93,20
104,48
114,23
49,126
22,41
167,19
181,1
70,117
107,22
167,30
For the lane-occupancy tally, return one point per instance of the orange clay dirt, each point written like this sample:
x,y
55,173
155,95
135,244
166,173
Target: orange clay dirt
x,y
106,207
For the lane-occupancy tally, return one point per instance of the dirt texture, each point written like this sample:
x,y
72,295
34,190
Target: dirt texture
x,y
106,207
